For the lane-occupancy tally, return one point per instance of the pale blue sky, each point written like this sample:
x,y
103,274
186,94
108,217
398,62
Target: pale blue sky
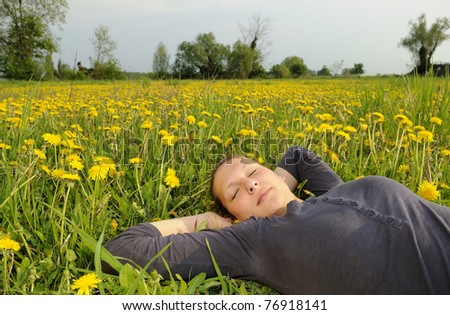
x,y
319,31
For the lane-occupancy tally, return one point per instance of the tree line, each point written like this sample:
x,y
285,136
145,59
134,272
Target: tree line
x,y
27,45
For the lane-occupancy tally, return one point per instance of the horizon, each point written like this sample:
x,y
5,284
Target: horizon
x,y
321,33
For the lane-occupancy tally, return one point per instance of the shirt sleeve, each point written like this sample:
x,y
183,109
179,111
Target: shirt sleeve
x,y
305,165
233,248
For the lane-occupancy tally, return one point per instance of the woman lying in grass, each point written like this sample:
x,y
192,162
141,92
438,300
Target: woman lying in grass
x,y
367,236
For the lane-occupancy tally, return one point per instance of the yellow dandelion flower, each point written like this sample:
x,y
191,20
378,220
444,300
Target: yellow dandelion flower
x,y
76,165
350,129
217,116
73,157
53,139
71,176
190,119
174,126
136,160
325,117
114,224
103,160
325,128
400,117
428,190
425,136
6,243
147,125
403,121
403,169
163,132
202,124
175,113
364,127
247,133
85,283
15,121
70,134
228,142
446,152
412,136
216,139
169,140
309,128
171,178
368,142
45,169
115,129
205,113
98,172
108,164
57,173
282,131
305,109
76,127
344,135
379,117
4,146
436,120
29,142
334,157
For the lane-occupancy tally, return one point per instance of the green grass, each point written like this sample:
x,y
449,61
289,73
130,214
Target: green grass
x,y
61,224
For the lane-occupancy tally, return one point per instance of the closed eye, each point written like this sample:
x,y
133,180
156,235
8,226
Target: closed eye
x,y
237,190
234,195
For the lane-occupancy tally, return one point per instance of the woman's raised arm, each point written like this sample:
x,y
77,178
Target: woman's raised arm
x,y
191,223
299,164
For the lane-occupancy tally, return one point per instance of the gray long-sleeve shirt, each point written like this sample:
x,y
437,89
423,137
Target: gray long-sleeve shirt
x,y
368,236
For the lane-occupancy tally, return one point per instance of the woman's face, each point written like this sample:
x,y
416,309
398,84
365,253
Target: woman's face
x,y
247,189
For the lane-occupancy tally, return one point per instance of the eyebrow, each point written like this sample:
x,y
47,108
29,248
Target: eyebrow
x,y
247,161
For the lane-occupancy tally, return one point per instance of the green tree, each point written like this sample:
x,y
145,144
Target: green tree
x,y
161,61
65,72
280,71
256,35
103,45
204,58
241,61
296,66
184,65
357,69
423,41
26,42
324,72
105,65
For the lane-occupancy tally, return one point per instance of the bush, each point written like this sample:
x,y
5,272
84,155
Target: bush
x,y
280,72
109,70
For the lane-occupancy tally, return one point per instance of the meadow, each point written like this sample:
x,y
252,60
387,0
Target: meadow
x,y
82,161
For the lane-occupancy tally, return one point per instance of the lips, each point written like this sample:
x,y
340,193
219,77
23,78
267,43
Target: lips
x,y
264,195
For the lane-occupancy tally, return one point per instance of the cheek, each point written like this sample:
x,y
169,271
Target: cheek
x,y
240,210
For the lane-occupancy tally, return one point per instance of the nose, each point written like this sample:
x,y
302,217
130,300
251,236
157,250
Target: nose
x,y
251,185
